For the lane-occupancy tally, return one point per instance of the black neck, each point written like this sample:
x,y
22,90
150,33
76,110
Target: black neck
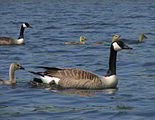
x,y
21,32
112,62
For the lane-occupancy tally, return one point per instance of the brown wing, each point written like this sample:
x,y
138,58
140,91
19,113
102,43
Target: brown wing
x,y
6,40
75,78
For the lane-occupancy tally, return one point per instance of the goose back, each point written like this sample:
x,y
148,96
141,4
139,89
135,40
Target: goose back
x,y
100,42
4,81
72,42
6,41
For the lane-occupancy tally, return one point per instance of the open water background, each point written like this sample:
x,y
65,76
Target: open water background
x,y
57,21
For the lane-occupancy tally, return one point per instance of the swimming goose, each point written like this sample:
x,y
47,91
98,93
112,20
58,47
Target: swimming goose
x,y
82,39
20,40
115,37
13,68
80,78
141,37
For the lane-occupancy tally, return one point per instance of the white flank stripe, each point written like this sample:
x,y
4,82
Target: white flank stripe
x,y
47,79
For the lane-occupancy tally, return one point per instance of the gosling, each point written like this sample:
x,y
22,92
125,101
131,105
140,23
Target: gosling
x,y
13,67
115,37
82,39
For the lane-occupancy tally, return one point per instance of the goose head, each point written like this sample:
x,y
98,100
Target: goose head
x,y
115,37
141,37
119,45
26,25
82,38
17,66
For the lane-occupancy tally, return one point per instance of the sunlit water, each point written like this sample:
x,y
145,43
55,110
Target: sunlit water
x,y
57,21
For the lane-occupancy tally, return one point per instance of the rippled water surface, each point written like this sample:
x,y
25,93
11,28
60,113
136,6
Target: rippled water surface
x,y
57,21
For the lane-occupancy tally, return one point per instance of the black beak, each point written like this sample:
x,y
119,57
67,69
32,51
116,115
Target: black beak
x,y
30,26
22,68
126,47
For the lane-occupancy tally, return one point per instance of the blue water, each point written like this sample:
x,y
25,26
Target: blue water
x,y
57,21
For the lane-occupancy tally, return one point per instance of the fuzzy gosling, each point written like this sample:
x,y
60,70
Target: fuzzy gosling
x,y
13,67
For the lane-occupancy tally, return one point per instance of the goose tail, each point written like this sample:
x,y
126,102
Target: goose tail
x,y
36,73
49,68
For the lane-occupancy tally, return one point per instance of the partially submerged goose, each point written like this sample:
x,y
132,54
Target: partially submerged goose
x,y
12,79
82,39
115,37
141,37
11,41
80,78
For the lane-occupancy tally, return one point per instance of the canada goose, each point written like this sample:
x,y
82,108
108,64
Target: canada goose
x,y
141,37
80,78
20,40
13,68
115,37
82,39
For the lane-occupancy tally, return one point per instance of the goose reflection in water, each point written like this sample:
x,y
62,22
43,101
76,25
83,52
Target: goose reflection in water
x,y
86,92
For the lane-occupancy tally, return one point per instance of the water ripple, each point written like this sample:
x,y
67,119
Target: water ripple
x,y
56,22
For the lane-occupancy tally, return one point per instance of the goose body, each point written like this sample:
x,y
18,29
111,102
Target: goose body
x,y
115,37
80,78
77,78
11,41
82,39
12,79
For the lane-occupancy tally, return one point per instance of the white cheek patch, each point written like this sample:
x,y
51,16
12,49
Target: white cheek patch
x,y
24,25
116,46
47,79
